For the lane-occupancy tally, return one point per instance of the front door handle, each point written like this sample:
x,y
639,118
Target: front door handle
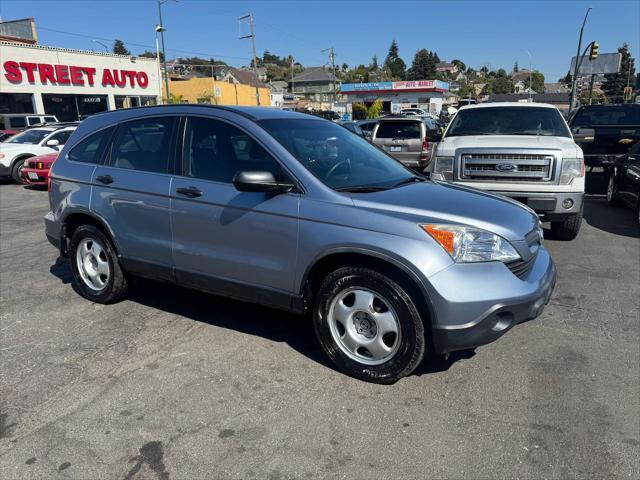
x,y
106,179
191,192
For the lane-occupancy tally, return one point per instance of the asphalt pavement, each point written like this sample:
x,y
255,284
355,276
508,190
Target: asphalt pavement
x,y
177,384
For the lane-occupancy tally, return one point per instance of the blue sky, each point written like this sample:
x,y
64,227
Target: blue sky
x,y
478,32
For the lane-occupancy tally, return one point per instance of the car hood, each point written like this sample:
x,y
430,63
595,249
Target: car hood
x,y
432,202
566,144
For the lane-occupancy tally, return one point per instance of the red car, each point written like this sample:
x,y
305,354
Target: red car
x,y
36,169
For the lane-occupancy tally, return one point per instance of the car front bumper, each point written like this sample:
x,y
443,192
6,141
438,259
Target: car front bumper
x,y
549,205
476,304
42,176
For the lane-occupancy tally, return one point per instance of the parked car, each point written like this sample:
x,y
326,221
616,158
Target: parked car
x,y
31,142
624,180
352,127
20,121
522,150
297,213
410,140
6,134
35,170
367,127
605,132
419,112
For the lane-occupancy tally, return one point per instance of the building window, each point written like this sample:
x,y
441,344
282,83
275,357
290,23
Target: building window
x,y
16,103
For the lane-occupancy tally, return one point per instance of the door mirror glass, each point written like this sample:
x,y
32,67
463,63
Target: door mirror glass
x,y
259,181
53,142
583,134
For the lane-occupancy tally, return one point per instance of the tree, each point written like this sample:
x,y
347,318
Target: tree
x,y
119,48
394,64
537,82
467,91
613,87
460,64
566,79
375,109
500,82
421,65
150,54
374,64
345,67
515,67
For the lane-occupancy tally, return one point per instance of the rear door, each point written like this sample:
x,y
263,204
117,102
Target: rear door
x,y
225,239
131,193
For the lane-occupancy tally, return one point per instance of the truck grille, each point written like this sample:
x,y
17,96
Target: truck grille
x,y
506,166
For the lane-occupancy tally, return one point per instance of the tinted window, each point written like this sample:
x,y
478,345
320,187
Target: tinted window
x,y
215,150
367,126
62,137
33,120
624,115
399,129
509,121
90,149
18,122
50,119
30,137
143,145
337,157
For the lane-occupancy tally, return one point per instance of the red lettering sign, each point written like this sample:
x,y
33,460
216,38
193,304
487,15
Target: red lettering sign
x,y
143,79
29,68
62,72
46,73
107,78
12,71
76,75
90,71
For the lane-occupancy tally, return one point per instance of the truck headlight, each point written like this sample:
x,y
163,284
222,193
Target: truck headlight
x,y
442,169
571,168
468,244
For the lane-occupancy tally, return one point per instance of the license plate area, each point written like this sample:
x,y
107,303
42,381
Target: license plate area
x,y
395,148
32,175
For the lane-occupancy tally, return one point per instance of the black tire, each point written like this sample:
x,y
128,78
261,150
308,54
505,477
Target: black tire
x,y
15,171
116,286
612,195
568,228
411,345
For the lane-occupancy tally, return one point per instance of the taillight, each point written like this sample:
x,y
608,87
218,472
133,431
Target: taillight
x,y
425,144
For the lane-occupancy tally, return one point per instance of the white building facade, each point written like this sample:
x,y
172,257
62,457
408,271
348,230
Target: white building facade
x,y
71,84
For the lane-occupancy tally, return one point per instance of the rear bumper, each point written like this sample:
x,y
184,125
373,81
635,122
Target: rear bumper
x,y
28,173
474,312
411,159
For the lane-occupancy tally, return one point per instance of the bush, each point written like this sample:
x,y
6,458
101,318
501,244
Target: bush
x,y
375,109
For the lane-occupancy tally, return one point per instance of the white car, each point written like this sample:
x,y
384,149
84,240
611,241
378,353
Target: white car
x,y
31,142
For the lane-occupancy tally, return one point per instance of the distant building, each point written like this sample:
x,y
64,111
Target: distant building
x,y
448,68
278,91
560,100
209,91
521,87
235,75
556,88
19,31
315,84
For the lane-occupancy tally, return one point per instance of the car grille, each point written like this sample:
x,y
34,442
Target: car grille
x,y
506,166
521,267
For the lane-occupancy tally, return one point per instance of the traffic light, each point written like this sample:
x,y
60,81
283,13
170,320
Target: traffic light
x,y
593,53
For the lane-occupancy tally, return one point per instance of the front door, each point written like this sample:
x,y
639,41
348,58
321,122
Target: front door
x,y
225,239
131,192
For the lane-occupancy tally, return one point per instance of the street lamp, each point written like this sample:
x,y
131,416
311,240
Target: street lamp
x,y
575,70
106,49
160,28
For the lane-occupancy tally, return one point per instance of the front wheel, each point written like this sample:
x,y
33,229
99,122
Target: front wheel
x,y
368,325
612,194
568,228
16,171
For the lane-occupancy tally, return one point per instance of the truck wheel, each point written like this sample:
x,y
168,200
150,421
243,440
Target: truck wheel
x,y
612,194
97,274
16,170
368,325
568,228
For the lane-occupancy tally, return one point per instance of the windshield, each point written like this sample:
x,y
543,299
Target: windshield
x,y
618,115
509,121
30,137
337,157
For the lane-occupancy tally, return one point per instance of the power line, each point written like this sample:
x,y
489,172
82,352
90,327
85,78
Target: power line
x,y
141,45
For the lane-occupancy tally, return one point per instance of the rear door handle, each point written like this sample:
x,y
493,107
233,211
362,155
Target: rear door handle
x,y
106,179
191,192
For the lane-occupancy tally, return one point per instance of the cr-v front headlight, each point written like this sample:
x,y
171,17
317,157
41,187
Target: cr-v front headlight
x,y
468,244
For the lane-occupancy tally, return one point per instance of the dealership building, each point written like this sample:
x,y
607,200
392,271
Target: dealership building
x,y
73,83
396,96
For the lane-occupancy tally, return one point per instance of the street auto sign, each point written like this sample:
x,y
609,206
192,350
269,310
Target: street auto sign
x,y
45,73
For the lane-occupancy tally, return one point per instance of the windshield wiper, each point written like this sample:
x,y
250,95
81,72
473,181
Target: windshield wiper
x,y
411,179
361,189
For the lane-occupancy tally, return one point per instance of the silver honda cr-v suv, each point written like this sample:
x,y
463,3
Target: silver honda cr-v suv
x,y
298,213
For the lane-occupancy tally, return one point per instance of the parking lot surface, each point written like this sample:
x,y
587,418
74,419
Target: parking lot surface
x,y
177,384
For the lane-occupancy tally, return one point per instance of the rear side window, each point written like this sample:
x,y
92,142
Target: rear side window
x,y
143,145
91,148
399,129
615,115
50,119
17,122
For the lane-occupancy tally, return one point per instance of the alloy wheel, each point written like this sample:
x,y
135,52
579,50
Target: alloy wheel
x,y
93,264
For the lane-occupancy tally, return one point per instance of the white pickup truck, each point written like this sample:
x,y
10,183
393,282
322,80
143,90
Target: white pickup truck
x,y
522,150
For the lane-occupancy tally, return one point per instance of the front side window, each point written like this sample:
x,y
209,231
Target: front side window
x,y
399,130
143,145
91,148
30,137
214,150
538,121
62,136
338,158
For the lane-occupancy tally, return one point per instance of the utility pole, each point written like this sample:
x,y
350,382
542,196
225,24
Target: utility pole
x,y
530,84
332,59
160,28
252,36
575,70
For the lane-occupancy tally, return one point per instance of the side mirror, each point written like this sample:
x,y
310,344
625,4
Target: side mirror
x,y
583,134
257,181
52,143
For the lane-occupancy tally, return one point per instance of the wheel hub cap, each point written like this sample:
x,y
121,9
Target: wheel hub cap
x,y
93,264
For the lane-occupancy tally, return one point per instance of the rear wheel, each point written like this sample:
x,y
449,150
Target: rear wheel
x,y
96,271
612,194
16,171
568,228
368,325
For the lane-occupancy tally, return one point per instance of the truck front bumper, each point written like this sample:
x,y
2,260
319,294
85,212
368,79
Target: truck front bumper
x,y
473,311
549,205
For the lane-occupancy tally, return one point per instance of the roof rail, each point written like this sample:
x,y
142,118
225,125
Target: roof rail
x,y
228,108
